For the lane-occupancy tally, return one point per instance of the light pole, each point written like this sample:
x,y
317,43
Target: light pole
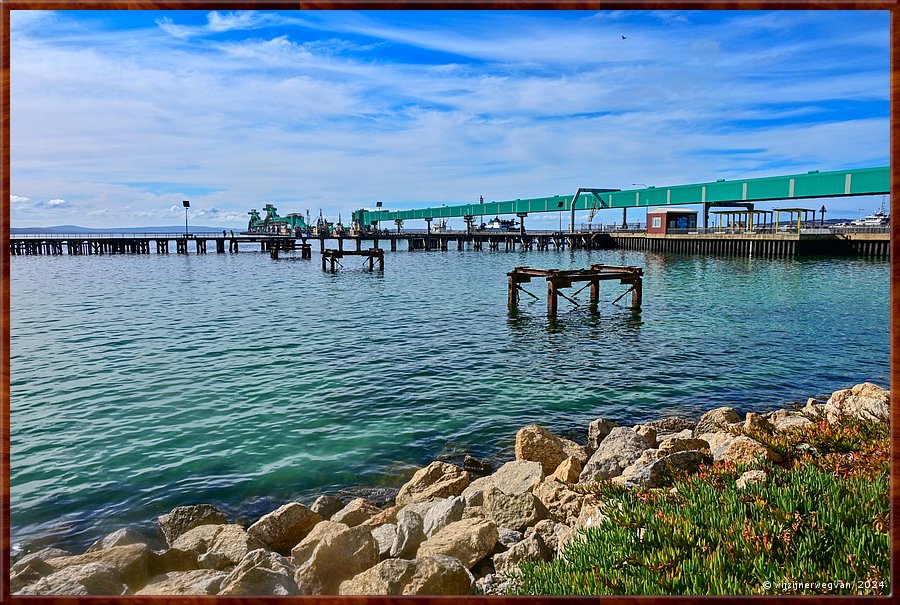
x,y
186,205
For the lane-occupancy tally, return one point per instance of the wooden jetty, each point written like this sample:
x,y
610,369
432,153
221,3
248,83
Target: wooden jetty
x,y
557,279
330,258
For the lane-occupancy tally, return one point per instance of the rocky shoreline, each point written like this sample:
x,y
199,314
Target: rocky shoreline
x,y
448,530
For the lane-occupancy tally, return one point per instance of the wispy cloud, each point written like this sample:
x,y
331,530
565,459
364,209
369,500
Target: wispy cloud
x,y
337,109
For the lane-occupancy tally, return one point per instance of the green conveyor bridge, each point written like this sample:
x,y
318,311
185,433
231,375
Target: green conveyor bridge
x,y
813,184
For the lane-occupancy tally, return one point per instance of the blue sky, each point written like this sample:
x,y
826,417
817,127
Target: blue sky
x,y
119,115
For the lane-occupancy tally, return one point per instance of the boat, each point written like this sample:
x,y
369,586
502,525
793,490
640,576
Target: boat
x,y
877,219
440,227
498,224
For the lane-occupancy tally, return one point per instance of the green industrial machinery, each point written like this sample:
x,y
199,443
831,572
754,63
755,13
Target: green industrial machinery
x,y
292,224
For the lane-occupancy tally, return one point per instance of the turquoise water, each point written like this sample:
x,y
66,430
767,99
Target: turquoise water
x,y
140,383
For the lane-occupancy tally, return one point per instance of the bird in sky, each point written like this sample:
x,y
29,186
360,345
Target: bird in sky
x,y
623,37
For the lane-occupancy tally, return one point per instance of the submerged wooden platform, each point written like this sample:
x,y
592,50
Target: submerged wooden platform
x,y
330,258
558,279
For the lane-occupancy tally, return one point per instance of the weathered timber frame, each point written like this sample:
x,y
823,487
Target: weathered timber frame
x,y
557,279
330,257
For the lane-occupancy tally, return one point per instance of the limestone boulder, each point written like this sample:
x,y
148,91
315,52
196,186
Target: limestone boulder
x,y
217,546
304,550
86,579
865,401
593,513
469,540
410,533
120,537
430,575
507,537
325,506
513,478
620,448
751,477
356,512
814,409
597,431
744,450
560,502
41,555
129,564
718,443
338,557
531,548
443,513
537,444
184,518
437,480
194,582
388,515
384,538
759,423
514,512
664,435
261,572
672,424
568,471
675,444
473,512
283,528
550,533
660,472
785,420
648,432
717,420
172,559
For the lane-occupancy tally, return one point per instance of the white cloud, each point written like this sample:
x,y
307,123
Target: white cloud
x,y
55,203
17,199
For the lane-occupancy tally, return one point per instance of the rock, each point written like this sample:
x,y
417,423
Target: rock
x,y
751,477
551,534
384,538
432,575
529,549
120,537
784,420
537,444
672,424
474,465
865,401
388,515
718,443
443,513
379,496
514,512
664,435
194,582
806,449
283,528
675,444
593,513
567,471
744,450
356,512
597,432
660,472
513,478
473,512
561,502
507,537
217,546
337,557
128,564
620,448
87,579
410,533
758,423
647,432
184,518
814,410
716,420
261,573
41,555
437,480
325,506
28,573
172,559
469,540
303,551
497,584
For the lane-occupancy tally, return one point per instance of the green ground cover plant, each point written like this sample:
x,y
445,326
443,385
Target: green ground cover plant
x,y
817,525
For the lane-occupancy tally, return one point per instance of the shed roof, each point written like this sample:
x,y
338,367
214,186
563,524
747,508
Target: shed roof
x,y
666,209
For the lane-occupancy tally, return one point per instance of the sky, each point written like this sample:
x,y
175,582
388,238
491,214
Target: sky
x,y
118,116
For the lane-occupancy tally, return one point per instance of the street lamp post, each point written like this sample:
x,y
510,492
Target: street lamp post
x,y
186,205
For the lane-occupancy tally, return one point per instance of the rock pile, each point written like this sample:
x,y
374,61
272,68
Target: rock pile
x,y
446,533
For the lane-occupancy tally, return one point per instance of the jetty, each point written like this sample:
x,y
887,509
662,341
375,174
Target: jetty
x,y
557,280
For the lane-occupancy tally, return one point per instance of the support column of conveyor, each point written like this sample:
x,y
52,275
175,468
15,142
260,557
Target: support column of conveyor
x,y
521,216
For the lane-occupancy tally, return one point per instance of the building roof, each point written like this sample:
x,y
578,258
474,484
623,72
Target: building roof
x,y
666,209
